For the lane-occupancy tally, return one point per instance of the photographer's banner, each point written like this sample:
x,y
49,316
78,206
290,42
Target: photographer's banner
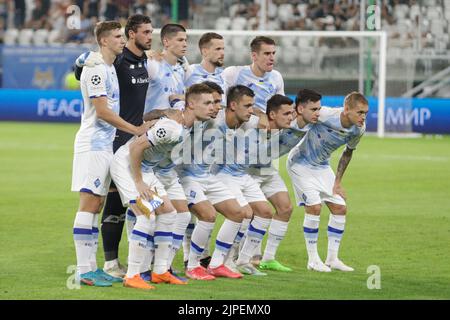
x,y
26,67
430,115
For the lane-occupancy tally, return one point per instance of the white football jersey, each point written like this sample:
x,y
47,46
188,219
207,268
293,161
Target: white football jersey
x,y
324,138
264,87
165,80
96,134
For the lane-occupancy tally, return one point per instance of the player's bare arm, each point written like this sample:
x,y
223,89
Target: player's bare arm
x,y
137,148
342,166
106,114
169,113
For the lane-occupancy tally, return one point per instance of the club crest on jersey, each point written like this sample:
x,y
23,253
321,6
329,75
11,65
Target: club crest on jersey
x,y
96,80
161,133
97,183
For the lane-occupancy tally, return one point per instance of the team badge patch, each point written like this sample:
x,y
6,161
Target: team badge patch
x,y
96,80
97,182
193,194
161,133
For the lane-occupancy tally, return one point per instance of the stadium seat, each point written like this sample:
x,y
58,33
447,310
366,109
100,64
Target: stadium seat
x,y
25,36
11,36
223,23
238,23
53,37
40,37
289,55
285,12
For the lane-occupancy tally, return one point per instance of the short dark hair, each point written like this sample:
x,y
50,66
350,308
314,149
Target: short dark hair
x,y
256,43
206,38
197,89
274,103
214,86
134,22
235,93
103,29
354,98
171,29
307,95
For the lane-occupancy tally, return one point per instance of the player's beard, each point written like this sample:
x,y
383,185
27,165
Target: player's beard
x,y
143,47
217,63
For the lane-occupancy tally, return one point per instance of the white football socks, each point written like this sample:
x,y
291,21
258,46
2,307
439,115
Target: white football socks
x,y
224,241
277,231
255,233
138,245
82,235
311,233
182,221
199,240
93,256
163,238
336,226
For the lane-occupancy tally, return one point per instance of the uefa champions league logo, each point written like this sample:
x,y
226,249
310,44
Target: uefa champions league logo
x,y
73,13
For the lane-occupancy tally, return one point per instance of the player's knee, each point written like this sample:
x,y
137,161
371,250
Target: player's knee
x,y
315,209
207,217
340,210
284,212
264,212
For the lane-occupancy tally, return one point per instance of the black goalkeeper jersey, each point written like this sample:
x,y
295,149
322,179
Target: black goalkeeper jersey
x,y
133,83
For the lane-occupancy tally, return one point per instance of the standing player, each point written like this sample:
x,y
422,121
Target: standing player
x,y
260,75
167,76
315,182
263,80
94,149
133,83
132,169
212,49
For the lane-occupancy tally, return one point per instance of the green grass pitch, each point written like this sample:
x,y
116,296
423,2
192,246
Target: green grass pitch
x,y
398,219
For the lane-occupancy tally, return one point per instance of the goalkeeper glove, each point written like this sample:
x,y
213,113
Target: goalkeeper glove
x,y
89,59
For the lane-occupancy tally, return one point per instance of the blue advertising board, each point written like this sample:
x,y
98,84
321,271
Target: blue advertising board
x,y
408,115
26,67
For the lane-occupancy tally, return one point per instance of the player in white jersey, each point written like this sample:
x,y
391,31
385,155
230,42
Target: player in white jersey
x,y
315,182
212,48
132,171
231,169
206,195
286,132
167,75
260,75
93,150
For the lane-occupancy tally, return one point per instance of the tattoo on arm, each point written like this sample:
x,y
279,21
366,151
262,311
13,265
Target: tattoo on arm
x,y
343,163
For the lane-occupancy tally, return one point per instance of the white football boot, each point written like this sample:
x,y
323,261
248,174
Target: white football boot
x,y
338,265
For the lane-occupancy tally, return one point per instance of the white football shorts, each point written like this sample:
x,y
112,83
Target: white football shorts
x,y
244,188
313,186
172,185
269,181
207,188
90,172
121,174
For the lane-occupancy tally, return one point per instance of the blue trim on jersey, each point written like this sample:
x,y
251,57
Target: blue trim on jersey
x,y
98,96
82,231
331,229
309,230
150,238
129,212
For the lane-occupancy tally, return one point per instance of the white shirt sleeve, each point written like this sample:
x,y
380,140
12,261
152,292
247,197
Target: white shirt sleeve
x,y
164,131
153,67
230,76
327,112
279,82
95,80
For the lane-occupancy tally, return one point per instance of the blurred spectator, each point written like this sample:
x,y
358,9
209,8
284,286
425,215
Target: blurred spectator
x,y
39,15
